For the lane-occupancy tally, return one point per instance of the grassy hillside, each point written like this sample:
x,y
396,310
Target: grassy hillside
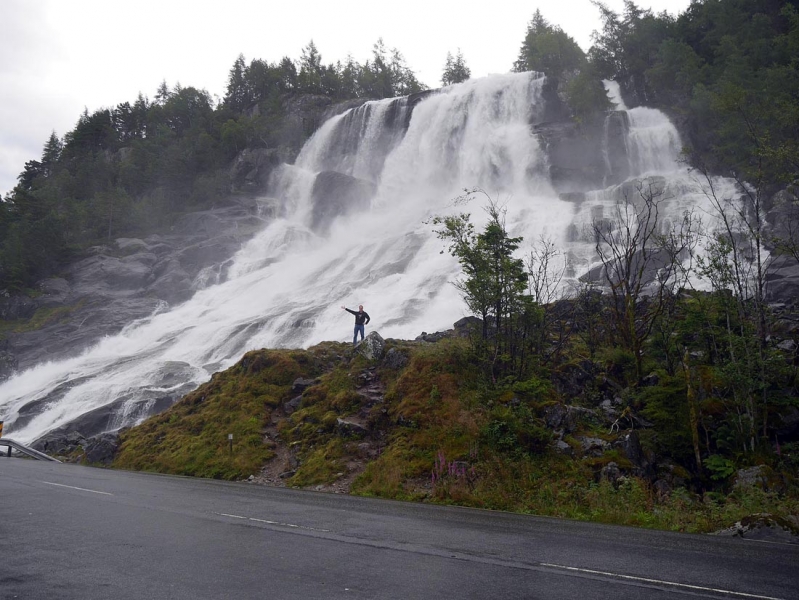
x,y
421,424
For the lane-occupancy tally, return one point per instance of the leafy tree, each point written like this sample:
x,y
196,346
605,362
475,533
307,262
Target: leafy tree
x,y
287,74
638,261
455,69
493,286
549,49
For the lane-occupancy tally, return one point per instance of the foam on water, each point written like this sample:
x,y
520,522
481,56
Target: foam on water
x,y
286,285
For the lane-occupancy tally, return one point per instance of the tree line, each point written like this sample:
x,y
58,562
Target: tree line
x,y
130,169
725,70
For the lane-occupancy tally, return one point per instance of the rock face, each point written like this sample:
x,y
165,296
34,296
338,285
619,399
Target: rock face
x,y
372,347
782,277
253,166
8,365
127,280
101,449
585,158
335,194
765,527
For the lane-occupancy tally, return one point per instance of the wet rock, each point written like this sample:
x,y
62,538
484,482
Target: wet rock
x,y
252,167
610,473
468,326
395,359
372,347
563,448
301,384
569,418
8,365
101,449
571,380
292,405
335,194
630,444
350,428
431,337
60,443
662,489
764,527
592,446
759,476
129,280
14,307
609,410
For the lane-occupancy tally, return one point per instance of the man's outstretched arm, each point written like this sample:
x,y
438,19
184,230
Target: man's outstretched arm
x,y
349,311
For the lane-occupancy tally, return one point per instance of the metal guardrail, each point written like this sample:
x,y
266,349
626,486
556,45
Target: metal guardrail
x,y
25,450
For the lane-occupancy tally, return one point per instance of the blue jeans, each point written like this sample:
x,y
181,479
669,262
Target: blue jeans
x,y
358,328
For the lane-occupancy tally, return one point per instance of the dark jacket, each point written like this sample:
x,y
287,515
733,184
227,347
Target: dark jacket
x,y
361,318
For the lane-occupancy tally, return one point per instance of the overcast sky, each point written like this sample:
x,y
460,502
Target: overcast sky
x,y
58,57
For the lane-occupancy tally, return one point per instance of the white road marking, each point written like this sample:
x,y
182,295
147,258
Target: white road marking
x,y
535,566
72,487
660,582
292,525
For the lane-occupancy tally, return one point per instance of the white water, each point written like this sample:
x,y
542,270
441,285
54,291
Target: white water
x,y
287,284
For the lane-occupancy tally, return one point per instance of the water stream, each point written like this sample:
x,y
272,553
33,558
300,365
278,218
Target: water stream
x,y
287,284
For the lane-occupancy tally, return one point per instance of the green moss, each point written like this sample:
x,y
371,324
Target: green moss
x,y
438,408
41,318
320,465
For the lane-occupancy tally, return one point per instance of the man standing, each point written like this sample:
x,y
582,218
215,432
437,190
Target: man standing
x,y
361,319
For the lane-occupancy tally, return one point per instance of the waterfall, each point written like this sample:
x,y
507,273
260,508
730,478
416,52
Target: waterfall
x,y
285,286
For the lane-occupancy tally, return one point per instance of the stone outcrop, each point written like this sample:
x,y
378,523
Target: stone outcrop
x,y
782,239
129,279
252,168
372,347
335,194
586,157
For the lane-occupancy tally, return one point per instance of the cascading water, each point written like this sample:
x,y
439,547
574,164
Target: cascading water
x,y
286,285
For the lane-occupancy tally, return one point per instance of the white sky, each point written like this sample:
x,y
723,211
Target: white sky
x,y
58,57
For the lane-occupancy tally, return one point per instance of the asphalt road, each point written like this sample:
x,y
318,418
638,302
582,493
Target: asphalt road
x,y
71,532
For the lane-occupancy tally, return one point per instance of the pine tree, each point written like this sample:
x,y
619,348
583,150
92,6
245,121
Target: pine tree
x,y
236,96
455,69
51,154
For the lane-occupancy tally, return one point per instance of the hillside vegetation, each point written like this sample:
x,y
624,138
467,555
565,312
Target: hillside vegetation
x,y
422,423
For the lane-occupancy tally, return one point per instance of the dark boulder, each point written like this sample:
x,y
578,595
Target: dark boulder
x,y
611,473
301,384
468,326
350,428
8,365
372,347
60,443
395,359
14,307
252,167
569,418
336,194
101,449
292,405
765,527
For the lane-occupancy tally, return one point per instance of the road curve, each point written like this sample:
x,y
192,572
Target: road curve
x,y
68,531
